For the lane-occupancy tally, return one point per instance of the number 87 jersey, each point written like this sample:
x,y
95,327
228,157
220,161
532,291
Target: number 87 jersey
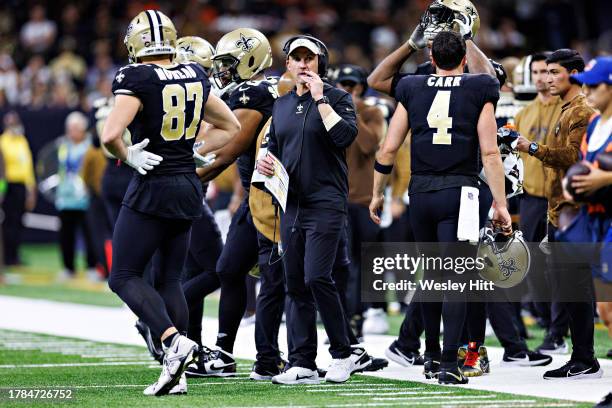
x,y
443,113
173,99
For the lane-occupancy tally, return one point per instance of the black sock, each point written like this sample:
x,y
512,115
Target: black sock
x,y
168,340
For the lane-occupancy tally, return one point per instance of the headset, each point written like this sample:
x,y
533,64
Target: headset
x,y
323,57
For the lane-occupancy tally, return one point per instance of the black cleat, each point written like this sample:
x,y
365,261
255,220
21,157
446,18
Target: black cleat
x,y
451,375
431,367
212,363
377,364
403,358
153,343
575,370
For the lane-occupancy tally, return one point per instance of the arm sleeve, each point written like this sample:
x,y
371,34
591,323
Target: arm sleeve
x,y
344,132
563,157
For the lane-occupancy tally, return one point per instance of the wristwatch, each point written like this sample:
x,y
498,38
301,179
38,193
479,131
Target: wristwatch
x,y
324,99
533,148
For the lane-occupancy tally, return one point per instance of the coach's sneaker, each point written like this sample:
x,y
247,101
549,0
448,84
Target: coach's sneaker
x,y
297,375
377,364
213,363
526,359
451,374
575,370
340,370
606,402
403,358
179,355
360,358
552,346
375,322
153,343
431,366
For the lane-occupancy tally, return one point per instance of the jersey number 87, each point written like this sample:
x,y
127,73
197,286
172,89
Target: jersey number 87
x,y
175,98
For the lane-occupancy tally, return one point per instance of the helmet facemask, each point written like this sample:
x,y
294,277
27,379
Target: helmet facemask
x,y
225,70
437,18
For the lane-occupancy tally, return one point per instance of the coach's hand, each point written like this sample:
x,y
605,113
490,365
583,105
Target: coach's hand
x,y
138,158
266,166
314,84
376,206
501,219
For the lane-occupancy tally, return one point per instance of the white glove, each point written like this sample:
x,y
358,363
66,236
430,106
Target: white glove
x,y
202,161
464,25
140,159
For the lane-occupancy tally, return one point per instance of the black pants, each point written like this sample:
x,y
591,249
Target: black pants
x,y
12,227
200,276
239,255
100,228
310,239
71,221
570,280
411,329
539,280
434,217
136,238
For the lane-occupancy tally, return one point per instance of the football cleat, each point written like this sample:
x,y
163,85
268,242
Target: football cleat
x,y
553,346
452,375
375,322
153,343
575,370
360,358
403,358
471,366
377,364
213,363
178,389
461,355
483,356
431,367
340,369
297,375
526,359
265,372
178,356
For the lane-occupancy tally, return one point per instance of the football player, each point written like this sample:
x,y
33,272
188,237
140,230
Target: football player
x,y
164,105
240,58
436,150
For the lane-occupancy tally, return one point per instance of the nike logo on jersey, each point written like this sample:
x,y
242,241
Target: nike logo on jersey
x,y
241,89
183,73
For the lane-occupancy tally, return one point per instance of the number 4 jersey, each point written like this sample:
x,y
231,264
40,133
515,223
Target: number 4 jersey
x,y
173,99
443,113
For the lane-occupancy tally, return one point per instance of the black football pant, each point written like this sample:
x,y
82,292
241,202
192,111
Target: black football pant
x,y
12,227
136,238
240,254
539,280
434,217
572,280
100,230
409,339
310,240
200,276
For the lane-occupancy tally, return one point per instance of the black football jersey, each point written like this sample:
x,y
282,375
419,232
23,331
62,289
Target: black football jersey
x,y
259,96
173,100
443,113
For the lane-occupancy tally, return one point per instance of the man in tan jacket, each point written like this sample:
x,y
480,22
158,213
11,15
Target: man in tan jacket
x,y
571,283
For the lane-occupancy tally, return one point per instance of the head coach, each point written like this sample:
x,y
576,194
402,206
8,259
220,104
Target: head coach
x,y
312,125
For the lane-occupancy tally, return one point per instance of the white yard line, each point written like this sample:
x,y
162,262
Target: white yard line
x,y
116,325
54,365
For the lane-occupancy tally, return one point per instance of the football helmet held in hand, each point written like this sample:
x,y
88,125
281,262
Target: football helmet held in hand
x,y
506,258
441,15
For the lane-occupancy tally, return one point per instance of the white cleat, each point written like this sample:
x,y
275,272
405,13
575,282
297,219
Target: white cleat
x,y
179,389
297,375
340,370
176,359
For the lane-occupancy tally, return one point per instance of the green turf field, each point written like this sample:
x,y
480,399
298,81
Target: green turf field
x,y
109,375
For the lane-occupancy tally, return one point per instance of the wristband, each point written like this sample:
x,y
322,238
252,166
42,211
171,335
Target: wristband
x,y
383,168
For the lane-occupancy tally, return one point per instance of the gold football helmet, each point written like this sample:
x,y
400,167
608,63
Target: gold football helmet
x,y
506,258
440,14
240,55
195,49
151,32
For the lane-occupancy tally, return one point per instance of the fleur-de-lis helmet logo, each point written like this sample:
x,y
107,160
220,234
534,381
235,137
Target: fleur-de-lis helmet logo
x,y
245,43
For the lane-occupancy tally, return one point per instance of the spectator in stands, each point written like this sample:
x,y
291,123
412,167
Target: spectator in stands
x,y
38,34
21,186
72,198
67,63
9,79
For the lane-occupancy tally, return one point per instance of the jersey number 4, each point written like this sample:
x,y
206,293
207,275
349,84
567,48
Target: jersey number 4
x,y
438,118
175,98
